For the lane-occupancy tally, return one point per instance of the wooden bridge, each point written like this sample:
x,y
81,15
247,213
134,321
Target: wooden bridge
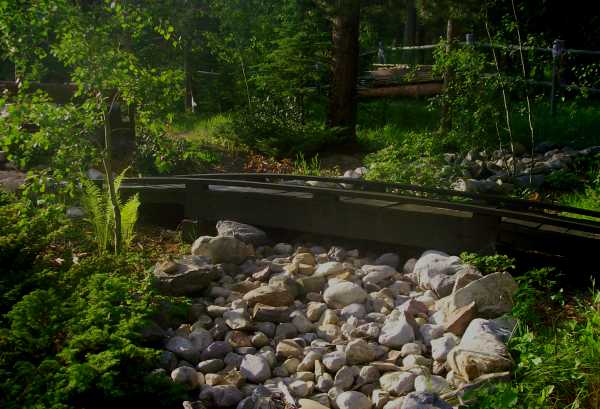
x,y
407,216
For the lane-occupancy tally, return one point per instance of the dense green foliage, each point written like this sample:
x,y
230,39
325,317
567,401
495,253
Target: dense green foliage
x,y
71,334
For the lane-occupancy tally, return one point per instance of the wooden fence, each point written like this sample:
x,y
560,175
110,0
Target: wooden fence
x,y
558,62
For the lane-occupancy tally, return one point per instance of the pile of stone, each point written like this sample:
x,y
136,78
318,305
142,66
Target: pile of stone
x,y
301,326
500,171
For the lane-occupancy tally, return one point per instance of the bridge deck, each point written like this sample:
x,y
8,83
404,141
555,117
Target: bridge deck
x,y
378,212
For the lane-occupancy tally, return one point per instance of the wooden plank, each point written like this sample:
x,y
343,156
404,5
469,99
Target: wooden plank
x,y
533,225
433,210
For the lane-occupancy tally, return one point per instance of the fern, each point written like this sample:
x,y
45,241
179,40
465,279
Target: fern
x,y
101,214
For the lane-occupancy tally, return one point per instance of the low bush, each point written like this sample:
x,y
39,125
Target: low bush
x,y
71,323
277,128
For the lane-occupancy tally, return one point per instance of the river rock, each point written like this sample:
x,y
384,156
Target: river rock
x,y
225,396
183,348
396,333
274,296
210,366
333,361
482,349
398,383
187,276
244,232
186,376
216,350
377,273
329,268
344,293
433,264
222,249
358,351
433,384
353,400
388,259
424,400
255,368
440,347
344,378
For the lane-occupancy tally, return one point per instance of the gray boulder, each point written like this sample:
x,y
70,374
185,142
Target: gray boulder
x,y
255,368
244,232
187,276
222,249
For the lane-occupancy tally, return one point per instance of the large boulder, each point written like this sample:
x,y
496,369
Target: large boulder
x,y
492,295
244,232
482,349
187,276
222,249
435,271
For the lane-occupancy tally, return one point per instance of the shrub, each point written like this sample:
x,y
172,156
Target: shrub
x,y
276,127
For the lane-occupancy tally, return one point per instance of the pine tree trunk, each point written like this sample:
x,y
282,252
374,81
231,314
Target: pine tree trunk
x,y
189,95
107,161
410,28
342,94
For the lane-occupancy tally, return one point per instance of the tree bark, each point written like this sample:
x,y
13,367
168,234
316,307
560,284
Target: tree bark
x,y
342,94
410,28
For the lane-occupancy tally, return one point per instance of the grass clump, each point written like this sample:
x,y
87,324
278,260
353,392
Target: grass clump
x,y
556,346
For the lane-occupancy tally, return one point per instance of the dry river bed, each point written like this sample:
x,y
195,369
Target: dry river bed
x,y
302,326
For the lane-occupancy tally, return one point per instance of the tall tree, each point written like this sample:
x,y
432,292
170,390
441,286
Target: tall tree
x,y
345,51
410,28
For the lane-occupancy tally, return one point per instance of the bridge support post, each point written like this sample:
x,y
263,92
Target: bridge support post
x,y
191,225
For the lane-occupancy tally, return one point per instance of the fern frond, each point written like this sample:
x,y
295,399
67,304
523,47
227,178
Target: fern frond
x,y
93,202
129,217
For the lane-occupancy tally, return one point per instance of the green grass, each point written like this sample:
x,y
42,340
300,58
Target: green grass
x,y
214,130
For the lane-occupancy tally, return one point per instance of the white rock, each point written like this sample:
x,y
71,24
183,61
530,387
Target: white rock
x,y
377,274
255,368
329,268
482,349
398,383
344,293
353,400
396,333
433,384
440,347
333,361
430,332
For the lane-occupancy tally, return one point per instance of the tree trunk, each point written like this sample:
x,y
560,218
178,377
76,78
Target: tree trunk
x,y
107,161
446,120
410,28
342,94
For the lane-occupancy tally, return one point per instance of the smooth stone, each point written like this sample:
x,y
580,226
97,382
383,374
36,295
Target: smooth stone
x,y
244,232
377,274
388,259
333,361
396,333
423,400
344,378
183,348
217,349
274,296
329,268
222,249
353,400
210,366
344,293
433,384
186,376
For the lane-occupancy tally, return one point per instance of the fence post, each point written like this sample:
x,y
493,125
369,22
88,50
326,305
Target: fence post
x,y
558,47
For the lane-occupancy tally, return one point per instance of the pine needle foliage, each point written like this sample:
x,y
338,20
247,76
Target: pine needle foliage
x,y
100,213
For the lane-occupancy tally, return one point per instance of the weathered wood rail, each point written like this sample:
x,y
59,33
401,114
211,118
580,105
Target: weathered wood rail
x,y
402,215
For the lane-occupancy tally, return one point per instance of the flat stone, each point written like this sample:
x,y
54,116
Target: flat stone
x,y
188,276
492,294
210,366
457,320
267,313
274,296
244,232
